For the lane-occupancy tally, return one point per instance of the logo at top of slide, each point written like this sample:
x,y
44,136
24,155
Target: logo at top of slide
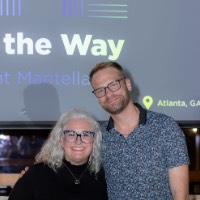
x,y
95,9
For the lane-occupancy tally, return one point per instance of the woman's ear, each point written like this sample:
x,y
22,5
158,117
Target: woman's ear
x,y
62,141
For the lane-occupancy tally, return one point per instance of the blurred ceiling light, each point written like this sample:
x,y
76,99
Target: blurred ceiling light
x,y
195,130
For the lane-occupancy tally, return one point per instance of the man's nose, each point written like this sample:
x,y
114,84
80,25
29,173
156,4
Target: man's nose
x,y
108,91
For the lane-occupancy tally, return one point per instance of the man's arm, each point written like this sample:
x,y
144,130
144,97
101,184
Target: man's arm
x,y
23,171
179,182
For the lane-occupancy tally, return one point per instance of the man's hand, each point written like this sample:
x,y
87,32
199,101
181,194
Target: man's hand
x,y
23,172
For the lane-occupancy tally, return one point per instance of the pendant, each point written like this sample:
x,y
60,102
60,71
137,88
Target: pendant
x,y
77,182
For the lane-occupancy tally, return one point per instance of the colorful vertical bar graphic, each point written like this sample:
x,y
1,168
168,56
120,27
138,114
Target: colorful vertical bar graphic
x,y
1,7
73,8
10,8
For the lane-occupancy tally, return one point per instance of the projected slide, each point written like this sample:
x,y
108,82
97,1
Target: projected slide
x,y
47,49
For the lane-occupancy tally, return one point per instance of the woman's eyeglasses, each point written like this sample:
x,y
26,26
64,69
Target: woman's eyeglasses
x,y
86,136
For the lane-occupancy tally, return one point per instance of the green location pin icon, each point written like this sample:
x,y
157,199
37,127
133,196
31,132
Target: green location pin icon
x,y
147,101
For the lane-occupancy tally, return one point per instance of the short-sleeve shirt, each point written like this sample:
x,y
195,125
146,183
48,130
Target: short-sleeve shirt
x,y
136,167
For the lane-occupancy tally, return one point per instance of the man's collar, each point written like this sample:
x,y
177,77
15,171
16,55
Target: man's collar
x,y
142,117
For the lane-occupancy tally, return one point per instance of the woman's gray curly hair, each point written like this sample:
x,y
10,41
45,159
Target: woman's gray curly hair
x,y
52,152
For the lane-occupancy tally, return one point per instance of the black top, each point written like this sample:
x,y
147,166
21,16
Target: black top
x,y
40,182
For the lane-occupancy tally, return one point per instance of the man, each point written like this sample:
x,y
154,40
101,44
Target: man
x,y
145,154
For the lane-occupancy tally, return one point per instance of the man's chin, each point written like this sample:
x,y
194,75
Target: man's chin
x,y
112,110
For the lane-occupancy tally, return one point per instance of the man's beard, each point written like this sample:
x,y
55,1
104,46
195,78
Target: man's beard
x,y
119,107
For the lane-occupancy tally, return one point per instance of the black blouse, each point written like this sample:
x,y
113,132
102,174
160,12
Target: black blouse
x,y
40,182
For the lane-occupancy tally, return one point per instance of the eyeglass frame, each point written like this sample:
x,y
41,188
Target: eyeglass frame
x,y
118,80
79,135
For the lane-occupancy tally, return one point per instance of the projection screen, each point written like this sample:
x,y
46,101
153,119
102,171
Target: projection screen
x,y
47,49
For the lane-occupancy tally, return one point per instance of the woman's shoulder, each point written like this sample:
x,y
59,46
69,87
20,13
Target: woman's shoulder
x,y
100,175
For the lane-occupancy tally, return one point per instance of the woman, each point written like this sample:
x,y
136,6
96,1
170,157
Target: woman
x,y
68,165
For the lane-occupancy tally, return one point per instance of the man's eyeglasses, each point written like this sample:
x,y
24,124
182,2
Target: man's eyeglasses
x,y
112,86
86,136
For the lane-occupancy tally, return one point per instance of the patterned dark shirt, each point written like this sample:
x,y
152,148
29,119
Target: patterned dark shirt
x,y
136,168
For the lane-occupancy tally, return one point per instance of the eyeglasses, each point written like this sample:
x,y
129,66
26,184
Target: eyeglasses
x,y
112,86
86,136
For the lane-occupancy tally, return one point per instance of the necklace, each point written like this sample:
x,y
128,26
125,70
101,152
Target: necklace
x,y
76,180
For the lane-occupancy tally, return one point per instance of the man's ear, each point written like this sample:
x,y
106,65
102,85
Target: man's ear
x,y
128,84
